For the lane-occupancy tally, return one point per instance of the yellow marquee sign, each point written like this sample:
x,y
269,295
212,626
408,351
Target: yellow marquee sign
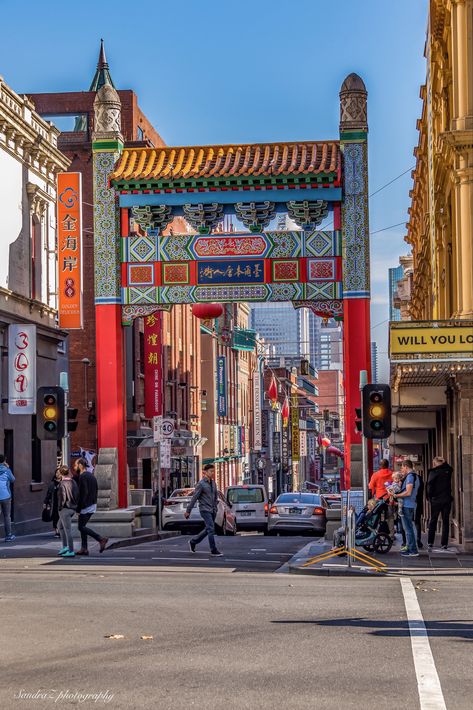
x,y
405,340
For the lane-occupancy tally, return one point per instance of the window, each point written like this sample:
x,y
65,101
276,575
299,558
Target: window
x,y
36,258
301,498
245,495
140,136
36,473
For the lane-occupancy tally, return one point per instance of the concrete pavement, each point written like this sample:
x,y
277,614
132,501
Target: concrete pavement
x,y
248,640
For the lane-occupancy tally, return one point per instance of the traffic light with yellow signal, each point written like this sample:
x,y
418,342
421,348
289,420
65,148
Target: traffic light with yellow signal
x,y
50,406
376,411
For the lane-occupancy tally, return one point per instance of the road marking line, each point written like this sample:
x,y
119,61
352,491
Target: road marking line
x,y
250,560
428,682
181,559
258,549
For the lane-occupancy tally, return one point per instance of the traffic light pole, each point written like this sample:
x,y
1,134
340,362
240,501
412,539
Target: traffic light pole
x,y
65,441
364,441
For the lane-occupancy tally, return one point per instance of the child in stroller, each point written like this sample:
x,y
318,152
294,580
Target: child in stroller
x,y
371,531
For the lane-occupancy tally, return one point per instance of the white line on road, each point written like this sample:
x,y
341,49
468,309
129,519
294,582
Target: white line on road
x,y
249,559
181,559
258,549
428,682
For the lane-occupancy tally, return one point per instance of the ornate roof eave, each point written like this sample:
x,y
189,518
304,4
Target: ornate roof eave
x,y
228,167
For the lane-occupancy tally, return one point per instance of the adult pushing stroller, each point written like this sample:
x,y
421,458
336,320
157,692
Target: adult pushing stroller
x,y
372,531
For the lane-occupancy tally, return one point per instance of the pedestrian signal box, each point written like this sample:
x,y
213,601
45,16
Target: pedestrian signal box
x,y
72,422
50,403
376,411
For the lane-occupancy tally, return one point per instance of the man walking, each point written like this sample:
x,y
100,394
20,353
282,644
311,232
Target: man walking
x,y
87,506
439,494
408,494
6,477
206,493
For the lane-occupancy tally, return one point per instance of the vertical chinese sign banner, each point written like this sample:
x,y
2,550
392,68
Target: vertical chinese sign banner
x,y
295,428
257,428
153,365
221,387
21,369
69,231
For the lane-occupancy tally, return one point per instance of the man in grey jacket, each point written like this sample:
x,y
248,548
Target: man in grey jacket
x,y
206,493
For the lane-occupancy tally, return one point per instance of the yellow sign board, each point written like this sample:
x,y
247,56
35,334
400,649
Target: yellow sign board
x,y
435,340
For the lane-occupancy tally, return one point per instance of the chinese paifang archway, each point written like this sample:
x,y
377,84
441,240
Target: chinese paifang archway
x,y
137,274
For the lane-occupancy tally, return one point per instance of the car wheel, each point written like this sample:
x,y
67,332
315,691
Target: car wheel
x,y
222,529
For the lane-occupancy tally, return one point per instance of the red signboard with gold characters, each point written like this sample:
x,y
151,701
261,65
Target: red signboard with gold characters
x,y
153,367
69,229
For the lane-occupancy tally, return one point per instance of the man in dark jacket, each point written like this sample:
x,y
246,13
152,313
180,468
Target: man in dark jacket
x,y
439,494
206,493
87,506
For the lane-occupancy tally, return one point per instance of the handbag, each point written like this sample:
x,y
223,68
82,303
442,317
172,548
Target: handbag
x,y
46,515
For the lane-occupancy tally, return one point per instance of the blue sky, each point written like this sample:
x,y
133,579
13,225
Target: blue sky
x,y
210,71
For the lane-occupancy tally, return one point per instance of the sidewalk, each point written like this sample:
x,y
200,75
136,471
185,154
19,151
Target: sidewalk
x,y
44,544
436,562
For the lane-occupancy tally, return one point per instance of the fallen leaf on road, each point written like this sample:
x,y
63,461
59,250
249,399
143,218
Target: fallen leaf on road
x,y
146,638
114,636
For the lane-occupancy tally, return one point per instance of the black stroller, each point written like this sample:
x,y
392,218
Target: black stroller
x,y
372,531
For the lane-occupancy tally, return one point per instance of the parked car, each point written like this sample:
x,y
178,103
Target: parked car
x,y
250,505
333,500
175,506
298,511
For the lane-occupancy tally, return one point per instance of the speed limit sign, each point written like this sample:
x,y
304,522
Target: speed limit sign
x,y
162,429
167,428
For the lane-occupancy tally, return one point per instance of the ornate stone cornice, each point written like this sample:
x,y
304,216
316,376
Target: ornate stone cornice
x,y
27,136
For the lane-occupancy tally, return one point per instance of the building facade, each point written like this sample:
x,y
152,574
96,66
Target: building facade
x,y
432,367
395,275
29,163
284,328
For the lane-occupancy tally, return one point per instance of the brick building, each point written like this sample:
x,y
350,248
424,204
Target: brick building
x,y
181,336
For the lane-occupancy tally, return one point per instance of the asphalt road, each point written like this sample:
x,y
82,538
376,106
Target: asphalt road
x,y
224,640
244,552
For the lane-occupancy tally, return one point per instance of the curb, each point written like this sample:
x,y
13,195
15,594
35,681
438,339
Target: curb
x,y
139,539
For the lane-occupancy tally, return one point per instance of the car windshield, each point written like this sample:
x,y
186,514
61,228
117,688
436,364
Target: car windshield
x,y
245,495
182,493
304,498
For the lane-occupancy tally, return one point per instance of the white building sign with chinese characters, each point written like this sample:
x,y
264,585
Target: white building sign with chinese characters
x,y
21,369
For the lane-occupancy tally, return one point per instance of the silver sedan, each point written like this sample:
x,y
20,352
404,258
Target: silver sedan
x,y
299,512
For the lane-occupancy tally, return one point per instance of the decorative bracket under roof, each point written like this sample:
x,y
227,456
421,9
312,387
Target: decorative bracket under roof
x,y
255,215
307,214
324,309
156,217
129,313
203,218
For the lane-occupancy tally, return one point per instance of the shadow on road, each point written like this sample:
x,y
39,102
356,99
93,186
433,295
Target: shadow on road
x,y
448,628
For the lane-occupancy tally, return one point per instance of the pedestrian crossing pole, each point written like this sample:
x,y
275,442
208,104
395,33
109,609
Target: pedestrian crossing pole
x,y
364,440
65,441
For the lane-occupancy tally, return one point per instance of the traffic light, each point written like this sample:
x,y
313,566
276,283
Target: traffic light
x,y
358,422
376,411
305,367
50,425
72,422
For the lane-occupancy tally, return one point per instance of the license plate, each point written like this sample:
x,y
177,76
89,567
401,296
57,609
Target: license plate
x,y
295,511
245,512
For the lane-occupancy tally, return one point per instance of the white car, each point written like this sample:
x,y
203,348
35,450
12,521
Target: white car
x,y
175,506
250,505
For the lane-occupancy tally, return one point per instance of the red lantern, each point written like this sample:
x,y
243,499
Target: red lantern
x,y
326,441
207,311
285,412
273,390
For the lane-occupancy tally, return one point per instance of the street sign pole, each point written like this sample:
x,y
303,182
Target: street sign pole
x,y
157,433
364,440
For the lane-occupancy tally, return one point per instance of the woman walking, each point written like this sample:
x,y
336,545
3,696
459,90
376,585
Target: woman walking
x,y
50,501
67,498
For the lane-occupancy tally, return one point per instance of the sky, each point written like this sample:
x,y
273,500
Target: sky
x,y
208,71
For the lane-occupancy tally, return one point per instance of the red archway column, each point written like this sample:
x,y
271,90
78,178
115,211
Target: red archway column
x,y
110,359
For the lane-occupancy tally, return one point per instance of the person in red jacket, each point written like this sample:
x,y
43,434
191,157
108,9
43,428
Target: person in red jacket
x,y
377,486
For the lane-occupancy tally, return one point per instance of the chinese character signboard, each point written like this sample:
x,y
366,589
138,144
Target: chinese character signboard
x,y
285,449
153,365
226,272
69,231
257,429
21,369
295,428
221,387
303,442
